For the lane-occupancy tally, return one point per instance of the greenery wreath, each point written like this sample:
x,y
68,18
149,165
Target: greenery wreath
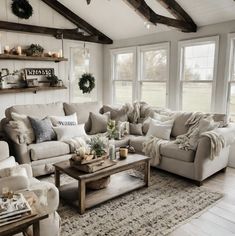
x,y
22,9
86,83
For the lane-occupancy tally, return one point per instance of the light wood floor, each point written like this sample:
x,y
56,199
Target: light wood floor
x,y
220,219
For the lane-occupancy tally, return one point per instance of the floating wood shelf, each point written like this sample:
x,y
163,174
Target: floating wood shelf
x,y
27,58
34,90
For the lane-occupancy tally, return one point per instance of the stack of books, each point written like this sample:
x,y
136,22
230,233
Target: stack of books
x,y
13,208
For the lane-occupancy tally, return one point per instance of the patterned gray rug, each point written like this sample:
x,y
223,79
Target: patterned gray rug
x,y
158,210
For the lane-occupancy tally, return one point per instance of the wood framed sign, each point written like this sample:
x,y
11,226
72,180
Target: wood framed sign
x,y
39,72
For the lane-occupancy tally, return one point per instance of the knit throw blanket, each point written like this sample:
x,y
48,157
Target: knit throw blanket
x,y
151,148
75,143
217,142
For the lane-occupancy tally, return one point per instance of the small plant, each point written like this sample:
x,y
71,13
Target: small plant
x,y
54,80
111,129
35,50
97,145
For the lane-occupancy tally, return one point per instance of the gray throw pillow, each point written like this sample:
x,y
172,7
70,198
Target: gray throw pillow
x,y
117,114
136,129
99,122
42,129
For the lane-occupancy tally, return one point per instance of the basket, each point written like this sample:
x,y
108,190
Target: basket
x,y
99,184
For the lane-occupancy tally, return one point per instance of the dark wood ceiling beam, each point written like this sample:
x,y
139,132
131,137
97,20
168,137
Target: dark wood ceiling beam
x,y
176,10
75,19
142,8
56,32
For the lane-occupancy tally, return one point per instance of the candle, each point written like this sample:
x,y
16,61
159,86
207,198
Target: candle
x,y
6,49
49,53
60,53
123,152
19,50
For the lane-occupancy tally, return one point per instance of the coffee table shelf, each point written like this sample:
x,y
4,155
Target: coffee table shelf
x,y
120,184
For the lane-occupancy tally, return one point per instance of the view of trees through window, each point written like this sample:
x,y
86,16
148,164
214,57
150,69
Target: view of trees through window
x,y
154,77
152,84
197,68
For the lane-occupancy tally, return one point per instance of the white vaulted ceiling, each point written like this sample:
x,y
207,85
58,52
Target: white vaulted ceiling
x,y
118,20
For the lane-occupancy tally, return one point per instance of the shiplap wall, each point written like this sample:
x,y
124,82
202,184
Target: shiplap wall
x,y
44,16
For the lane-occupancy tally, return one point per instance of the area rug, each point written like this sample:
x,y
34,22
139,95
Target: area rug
x,y
167,203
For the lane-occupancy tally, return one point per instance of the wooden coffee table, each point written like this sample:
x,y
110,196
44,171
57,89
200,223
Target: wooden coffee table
x,y
121,182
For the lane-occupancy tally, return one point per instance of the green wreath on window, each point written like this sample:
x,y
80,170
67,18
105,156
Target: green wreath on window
x,y
86,83
22,9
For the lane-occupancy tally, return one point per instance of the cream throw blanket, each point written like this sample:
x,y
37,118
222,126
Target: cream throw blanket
x,y
76,142
151,148
217,143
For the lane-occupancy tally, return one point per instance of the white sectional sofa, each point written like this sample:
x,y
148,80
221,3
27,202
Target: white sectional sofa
x,y
194,165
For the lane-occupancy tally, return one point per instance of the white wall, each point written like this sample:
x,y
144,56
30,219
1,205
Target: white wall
x,y
44,16
174,37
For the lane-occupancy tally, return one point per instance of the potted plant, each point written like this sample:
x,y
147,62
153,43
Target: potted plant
x,y
34,50
54,80
98,146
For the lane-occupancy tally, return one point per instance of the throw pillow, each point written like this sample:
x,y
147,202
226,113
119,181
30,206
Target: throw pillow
x,y
68,132
18,171
64,120
42,129
99,122
22,124
136,129
117,114
123,128
161,130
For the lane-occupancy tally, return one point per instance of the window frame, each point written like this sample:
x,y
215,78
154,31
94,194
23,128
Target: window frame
x,y
230,67
141,80
113,54
195,42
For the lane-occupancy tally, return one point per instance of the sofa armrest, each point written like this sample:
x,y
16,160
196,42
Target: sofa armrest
x,y
228,133
48,195
28,169
14,135
21,153
14,183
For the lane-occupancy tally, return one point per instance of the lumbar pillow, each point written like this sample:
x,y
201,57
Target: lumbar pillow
x,y
99,122
136,129
160,129
64,120
42,129
22,125
68,132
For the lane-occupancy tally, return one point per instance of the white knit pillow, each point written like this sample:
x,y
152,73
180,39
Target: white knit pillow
x,y
161,130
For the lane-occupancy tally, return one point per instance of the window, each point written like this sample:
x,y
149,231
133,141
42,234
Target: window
x,y
198,65
142,77
80,63
231,78
154,74
123,75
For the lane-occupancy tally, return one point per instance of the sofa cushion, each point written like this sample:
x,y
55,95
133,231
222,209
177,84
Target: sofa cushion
x,y
48,149
172,150
37,110
137,143
179,126
122,142
83,110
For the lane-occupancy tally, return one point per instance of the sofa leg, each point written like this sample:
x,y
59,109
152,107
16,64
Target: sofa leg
x,y
224,169
198,183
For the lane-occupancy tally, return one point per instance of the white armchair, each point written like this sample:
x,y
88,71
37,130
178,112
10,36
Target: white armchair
x,y
19,177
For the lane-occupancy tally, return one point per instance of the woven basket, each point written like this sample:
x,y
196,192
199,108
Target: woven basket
x,y
99,184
